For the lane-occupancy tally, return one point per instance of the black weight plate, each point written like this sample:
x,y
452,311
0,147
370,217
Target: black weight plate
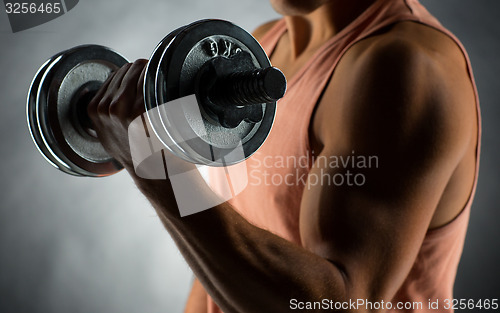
x,y
150,92
203,141
75,152
31,109
31,112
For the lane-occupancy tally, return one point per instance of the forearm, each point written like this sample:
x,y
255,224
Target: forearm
x,y
244,268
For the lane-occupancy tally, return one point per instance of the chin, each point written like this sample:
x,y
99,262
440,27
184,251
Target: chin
x,y
296,7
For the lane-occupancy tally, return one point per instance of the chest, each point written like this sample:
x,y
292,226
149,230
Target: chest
x,y
283,58
324,74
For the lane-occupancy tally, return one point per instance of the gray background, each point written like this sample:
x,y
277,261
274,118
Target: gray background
x,y
95,245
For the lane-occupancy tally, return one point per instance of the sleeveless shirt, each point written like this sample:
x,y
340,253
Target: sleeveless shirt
x,y
275,205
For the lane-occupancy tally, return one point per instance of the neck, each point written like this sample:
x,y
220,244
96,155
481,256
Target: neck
x,y
308,32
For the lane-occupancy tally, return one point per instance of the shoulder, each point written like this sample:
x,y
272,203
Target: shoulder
x,y
408,50
260,31
415,68
405,78
414,45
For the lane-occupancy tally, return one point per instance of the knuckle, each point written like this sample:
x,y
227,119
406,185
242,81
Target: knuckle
x,y
140,62
137,67
114,107
103,107
127,67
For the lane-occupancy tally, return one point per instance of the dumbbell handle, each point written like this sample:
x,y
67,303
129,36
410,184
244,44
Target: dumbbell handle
x,y
241,89
81,101
248,88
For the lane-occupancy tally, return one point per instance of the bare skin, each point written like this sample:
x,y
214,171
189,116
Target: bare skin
x,y
357,243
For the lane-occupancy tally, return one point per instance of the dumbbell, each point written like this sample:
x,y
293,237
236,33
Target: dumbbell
x,y
219,63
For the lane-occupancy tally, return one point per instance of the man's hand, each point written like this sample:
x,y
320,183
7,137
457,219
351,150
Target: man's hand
x,y
119,101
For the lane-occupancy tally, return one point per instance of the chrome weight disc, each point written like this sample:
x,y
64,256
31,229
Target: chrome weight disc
x,y
52,109
186,130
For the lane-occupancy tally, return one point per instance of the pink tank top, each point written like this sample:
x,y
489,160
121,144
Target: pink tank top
x,y
275,205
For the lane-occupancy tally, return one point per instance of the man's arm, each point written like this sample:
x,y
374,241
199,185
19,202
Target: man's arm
x,y
197,299
412,109
358,242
